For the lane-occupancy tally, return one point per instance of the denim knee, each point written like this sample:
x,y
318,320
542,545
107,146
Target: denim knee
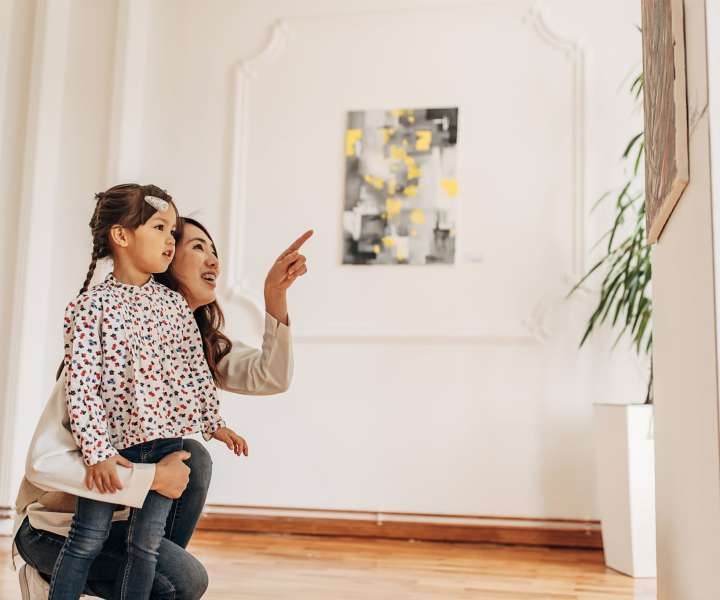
x,y
201,583
200,464
144,542
86,541
195,585
188,581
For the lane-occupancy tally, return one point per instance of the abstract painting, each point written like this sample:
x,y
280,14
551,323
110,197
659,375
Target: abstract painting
x,y
401,187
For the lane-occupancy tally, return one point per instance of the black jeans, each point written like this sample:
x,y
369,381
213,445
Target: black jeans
x,y
178,575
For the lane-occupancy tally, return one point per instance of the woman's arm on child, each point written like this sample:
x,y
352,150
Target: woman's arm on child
x,y
54,461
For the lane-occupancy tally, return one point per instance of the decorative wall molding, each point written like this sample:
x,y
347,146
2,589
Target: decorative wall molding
x,y
238,288
575,53
536,335
245,71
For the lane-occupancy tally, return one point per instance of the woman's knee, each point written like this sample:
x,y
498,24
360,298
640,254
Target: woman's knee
x,y
168,591
180,576
197,587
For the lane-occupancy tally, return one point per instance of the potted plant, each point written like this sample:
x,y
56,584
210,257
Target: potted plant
x,y
624,445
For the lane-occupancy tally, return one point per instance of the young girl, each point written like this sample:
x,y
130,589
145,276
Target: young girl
x,y
136,381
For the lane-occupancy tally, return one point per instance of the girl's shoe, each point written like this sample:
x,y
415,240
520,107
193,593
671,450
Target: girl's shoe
x,y
32,585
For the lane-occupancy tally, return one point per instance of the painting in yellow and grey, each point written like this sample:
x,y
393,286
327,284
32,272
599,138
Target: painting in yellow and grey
x,y
400,187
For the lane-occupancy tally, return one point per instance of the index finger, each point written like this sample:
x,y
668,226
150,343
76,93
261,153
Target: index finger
x,y
297,244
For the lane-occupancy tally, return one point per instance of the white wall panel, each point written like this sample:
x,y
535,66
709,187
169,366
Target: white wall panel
x,y
447,390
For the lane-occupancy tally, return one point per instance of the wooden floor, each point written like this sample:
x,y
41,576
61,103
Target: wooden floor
x,y
244,566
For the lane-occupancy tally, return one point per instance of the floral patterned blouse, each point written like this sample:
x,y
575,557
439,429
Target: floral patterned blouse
x,y
135,370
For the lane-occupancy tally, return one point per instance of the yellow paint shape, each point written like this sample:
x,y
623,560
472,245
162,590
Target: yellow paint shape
x,y
391,186
397,153
388,242
423,139
376,249
417,216
376,182
413,171
401,253
450,186
393,206
399,112
411,191
387,132
352,136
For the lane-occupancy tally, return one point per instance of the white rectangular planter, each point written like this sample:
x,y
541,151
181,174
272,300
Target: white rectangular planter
x,y
625,469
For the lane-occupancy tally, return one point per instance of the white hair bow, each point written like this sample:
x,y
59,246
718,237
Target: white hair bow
x,y
157,203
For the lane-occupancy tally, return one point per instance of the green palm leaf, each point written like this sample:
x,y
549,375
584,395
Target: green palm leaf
x,y
624,298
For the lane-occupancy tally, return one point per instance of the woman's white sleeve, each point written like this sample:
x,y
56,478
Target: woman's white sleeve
x,y
260,372
54,462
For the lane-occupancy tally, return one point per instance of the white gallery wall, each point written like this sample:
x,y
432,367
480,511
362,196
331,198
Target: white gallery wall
x,y
447,390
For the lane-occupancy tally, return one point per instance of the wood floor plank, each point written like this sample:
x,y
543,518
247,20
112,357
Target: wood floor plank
x,y
265,567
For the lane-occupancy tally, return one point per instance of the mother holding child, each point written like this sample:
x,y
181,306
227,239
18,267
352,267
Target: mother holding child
x,y
108,503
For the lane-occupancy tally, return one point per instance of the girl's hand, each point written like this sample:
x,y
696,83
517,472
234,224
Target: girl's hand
x,y
232,440
288,267
104,475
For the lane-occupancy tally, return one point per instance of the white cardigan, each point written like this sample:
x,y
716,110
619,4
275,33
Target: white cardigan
x,y
54,464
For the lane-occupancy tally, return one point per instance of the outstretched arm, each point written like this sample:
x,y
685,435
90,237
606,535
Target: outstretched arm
x,y
247,370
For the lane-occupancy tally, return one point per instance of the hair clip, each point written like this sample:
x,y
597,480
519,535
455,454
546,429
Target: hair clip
x,y
157,203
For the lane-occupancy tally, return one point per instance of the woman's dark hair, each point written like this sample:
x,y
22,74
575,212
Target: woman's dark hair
x,y
123,205
209,317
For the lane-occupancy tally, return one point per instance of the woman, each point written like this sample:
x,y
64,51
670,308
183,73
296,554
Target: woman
x,y
53,462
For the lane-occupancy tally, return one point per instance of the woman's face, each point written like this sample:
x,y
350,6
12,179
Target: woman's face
x,y
196,266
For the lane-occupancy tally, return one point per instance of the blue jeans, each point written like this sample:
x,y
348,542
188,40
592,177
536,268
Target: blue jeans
x,y
178,575
91,528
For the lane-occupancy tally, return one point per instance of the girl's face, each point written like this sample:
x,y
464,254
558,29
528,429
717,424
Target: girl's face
x,y
152,245
196,266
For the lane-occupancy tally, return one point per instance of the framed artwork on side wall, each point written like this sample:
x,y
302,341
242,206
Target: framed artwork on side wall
x,y
665,97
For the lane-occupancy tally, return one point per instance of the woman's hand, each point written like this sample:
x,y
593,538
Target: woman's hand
x,y
290,265
232,440
104,475
171,475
